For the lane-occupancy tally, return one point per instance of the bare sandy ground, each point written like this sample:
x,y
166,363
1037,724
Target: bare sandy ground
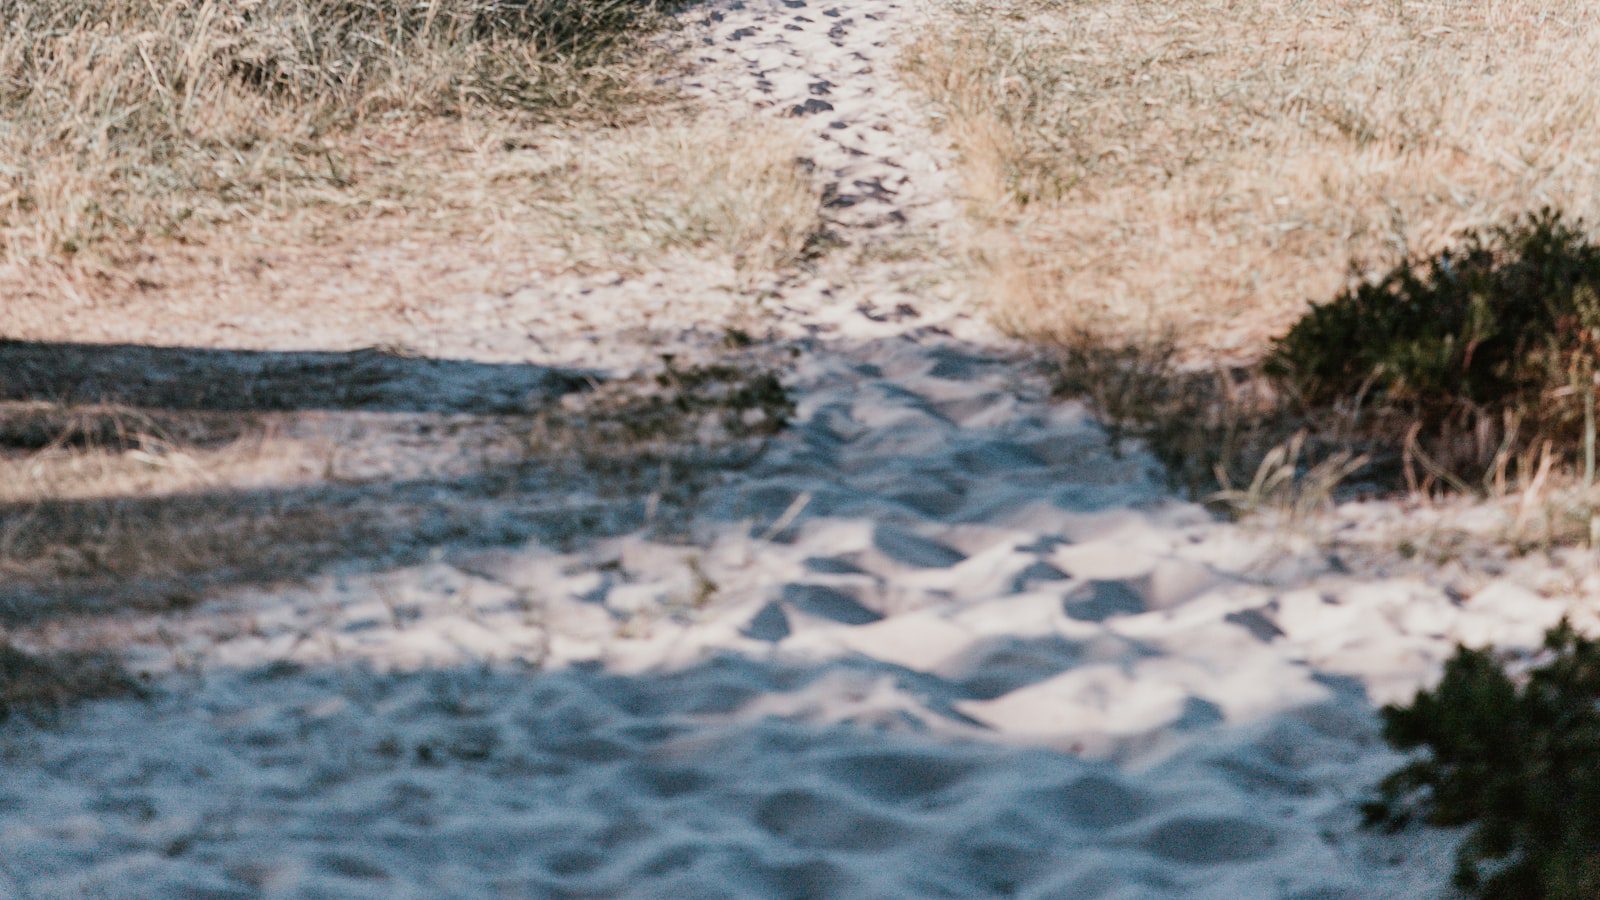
x,y
941,640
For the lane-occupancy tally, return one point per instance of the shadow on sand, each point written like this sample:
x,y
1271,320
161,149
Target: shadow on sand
x,y
194,379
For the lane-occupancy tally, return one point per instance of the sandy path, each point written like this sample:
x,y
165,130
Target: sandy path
x,y
940,641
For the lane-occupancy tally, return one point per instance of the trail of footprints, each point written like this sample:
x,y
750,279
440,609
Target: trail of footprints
x,y
943,640
818,62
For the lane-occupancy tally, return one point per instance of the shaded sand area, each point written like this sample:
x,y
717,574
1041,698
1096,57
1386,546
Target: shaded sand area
x,y
940,639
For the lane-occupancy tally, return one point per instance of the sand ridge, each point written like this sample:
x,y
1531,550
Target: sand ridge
x,y
943,639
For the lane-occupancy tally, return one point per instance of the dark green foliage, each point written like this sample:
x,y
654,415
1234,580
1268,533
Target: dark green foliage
x,y
1518,760
1487,349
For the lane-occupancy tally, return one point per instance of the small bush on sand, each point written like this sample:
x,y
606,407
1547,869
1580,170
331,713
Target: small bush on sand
x,y
1518,760
1476,358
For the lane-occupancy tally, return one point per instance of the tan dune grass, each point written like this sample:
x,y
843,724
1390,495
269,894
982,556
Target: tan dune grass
x,y
1207,168
127,119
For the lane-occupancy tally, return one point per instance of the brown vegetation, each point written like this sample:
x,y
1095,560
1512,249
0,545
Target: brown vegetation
x,y
1210,167
1161,189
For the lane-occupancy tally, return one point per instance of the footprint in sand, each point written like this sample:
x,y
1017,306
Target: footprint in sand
x,y
830,603
817,821
1098,802
900,776
1207,841
911,549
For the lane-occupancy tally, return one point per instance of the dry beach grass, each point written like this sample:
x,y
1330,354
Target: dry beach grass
x,y
304,121
1209,168
131,120
1160,190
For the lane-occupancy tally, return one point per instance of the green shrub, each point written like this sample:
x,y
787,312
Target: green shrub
x,y
1479,354
1516,759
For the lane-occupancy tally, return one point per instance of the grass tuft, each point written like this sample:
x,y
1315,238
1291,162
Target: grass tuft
x,y
39,686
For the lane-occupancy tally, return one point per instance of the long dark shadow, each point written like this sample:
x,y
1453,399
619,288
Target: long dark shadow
x,y
200,379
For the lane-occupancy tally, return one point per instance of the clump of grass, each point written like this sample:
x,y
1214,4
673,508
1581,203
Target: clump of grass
x,y
678,409
748,402
662,438
1467,361
1517,760
1226,436
30,427
128,119
41,685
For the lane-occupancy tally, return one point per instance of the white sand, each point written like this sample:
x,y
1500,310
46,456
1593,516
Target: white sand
x,y
940,641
